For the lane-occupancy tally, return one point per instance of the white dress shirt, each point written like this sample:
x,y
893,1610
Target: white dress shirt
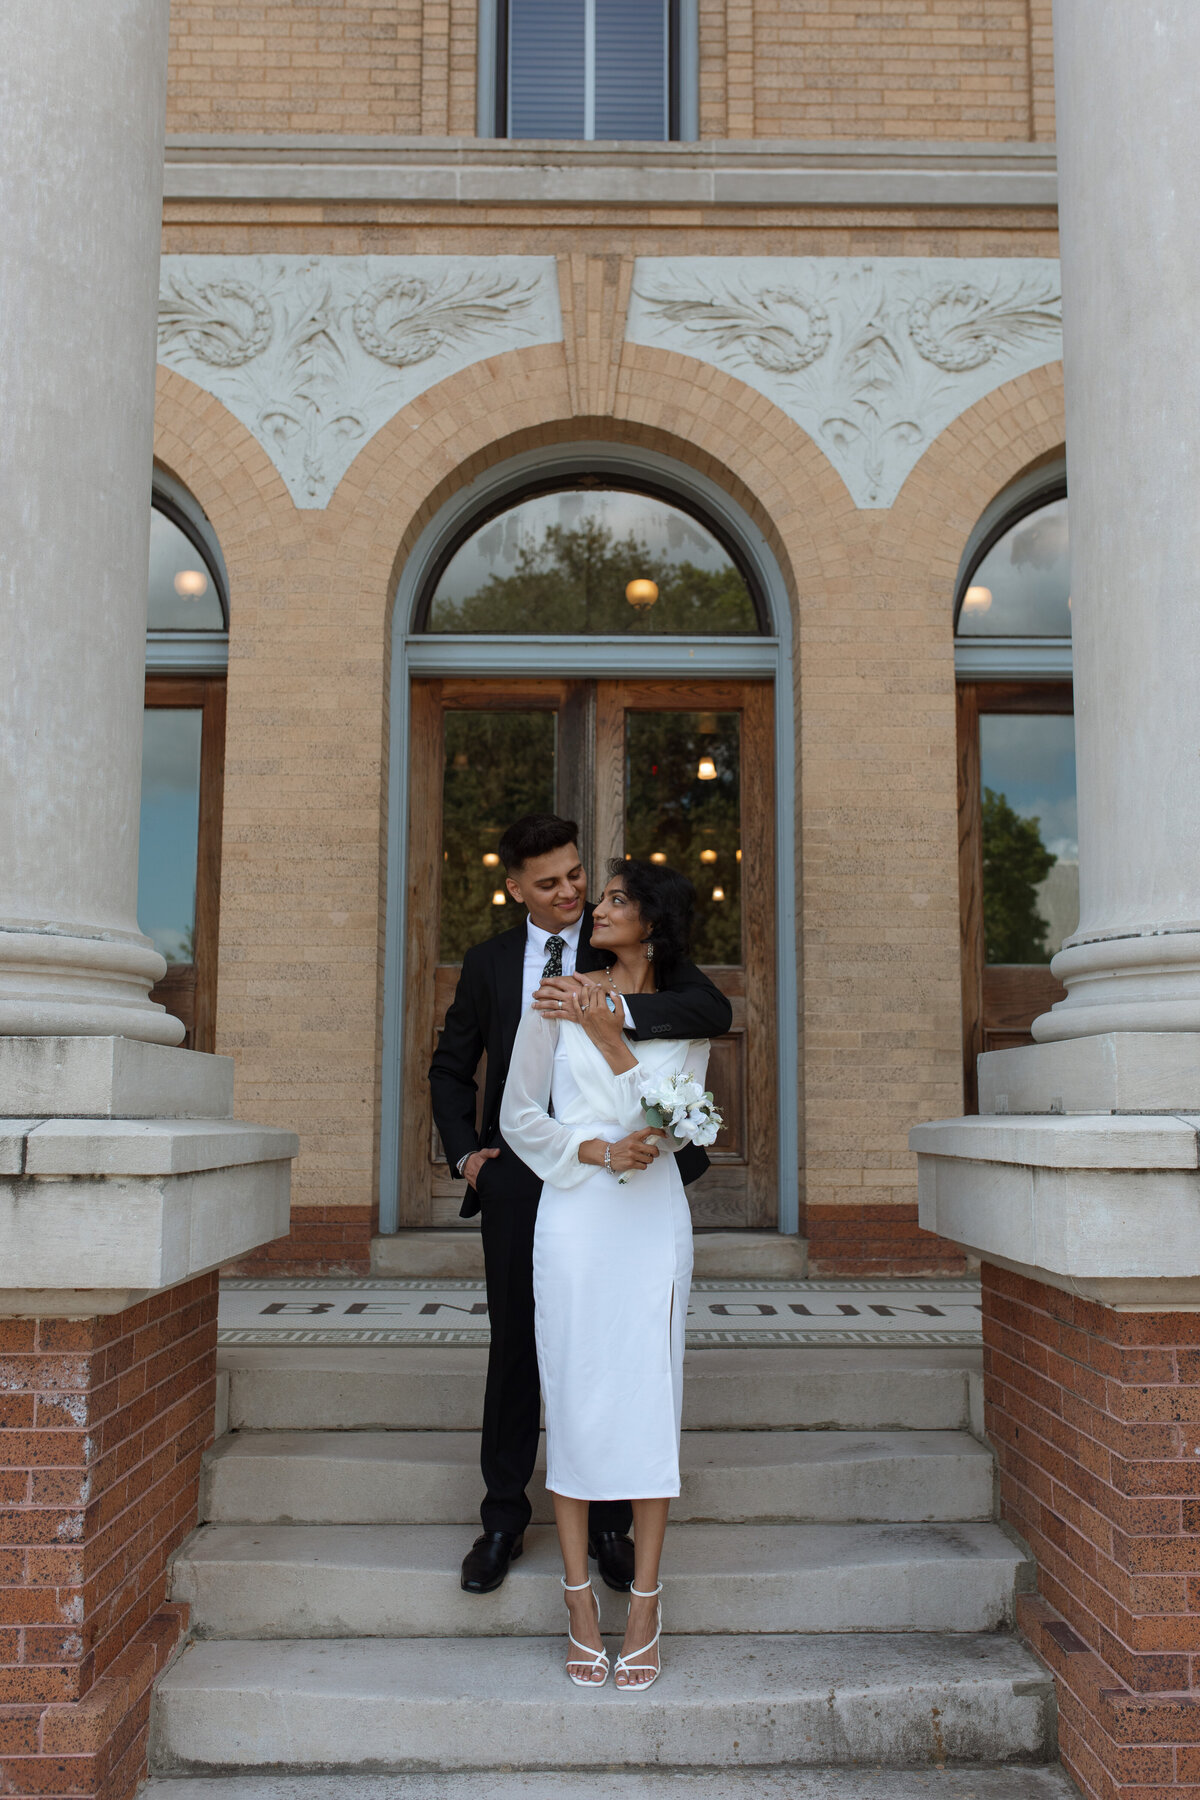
x,y
537,955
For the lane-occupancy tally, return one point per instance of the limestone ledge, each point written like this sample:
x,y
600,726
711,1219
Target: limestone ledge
x,y
1101,1205
96,1214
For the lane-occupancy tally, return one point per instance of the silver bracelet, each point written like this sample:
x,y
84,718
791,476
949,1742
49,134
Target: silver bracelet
x,y
608,1159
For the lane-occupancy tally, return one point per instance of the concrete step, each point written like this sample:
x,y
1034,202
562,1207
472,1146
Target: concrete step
x,y
424,1477
1010,1783
320,1581
449,1703
440,1388
719,1255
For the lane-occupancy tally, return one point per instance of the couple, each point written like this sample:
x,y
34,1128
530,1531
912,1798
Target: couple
x,y
586,1232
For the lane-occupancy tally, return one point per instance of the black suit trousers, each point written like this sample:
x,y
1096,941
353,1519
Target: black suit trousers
x,y
513,1401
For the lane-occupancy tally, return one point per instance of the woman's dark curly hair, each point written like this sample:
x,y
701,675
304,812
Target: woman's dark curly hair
x,y
666,901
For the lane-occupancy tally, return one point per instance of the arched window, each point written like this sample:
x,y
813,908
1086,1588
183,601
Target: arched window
x,y
183,743
591,559
1019,852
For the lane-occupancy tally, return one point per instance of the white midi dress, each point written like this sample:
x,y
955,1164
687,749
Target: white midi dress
x,y
612,1263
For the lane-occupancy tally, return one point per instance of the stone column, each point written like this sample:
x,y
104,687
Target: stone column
x,y
82,108
1129,172
1079,1183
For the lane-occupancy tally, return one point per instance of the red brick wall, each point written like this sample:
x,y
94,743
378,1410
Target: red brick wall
x,y
1095,1416
876,1240
323,1240
103,1423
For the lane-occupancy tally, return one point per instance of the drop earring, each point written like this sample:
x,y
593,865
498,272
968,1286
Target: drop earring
x,y
649,952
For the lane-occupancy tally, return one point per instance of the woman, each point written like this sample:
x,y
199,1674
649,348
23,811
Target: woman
x,y
612,1256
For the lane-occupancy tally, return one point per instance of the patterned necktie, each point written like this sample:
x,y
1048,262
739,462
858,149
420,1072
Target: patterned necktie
x,y
555,946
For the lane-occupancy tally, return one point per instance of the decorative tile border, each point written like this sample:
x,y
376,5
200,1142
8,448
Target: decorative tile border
x,y
314,354
756,1314
873,359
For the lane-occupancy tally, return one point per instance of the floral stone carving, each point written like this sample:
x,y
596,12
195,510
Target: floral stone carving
x,y
315,354
872,358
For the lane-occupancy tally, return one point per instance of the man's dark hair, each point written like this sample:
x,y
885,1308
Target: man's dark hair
x,y
666,901
535,835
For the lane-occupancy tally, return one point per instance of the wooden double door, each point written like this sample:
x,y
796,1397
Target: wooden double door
x,y
680,772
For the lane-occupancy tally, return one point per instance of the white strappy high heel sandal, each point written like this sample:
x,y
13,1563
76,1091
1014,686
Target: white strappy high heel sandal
x,y
625,1664
591,1659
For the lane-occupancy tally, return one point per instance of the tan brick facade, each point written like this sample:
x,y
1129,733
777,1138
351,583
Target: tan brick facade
x,y
952,69
302,907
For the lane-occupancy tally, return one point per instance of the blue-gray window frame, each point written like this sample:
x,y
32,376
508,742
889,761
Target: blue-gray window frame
x,y
683,74
417,654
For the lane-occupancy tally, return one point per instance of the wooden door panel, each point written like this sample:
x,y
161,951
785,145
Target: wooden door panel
x,y
1014,994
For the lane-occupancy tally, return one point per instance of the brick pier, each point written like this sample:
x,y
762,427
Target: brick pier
x,y
1095,1417
103,1423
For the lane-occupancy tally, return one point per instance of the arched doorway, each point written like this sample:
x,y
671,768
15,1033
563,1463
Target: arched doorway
x,y
523,678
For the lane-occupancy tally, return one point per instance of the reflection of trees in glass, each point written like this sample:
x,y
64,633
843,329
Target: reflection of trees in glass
x,y
574,579
498,766
1015,860
668,808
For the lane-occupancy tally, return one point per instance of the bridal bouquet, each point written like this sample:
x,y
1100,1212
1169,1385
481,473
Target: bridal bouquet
x,y
679,1105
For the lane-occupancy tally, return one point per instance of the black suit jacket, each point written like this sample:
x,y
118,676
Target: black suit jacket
x,y
484,1016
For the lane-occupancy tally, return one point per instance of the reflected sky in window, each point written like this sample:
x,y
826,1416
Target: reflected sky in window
x,y
560,563
1029,760
1022,587
170,825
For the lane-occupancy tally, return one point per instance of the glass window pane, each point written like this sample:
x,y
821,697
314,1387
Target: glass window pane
x,y
170,826
547,58
560,564
1030,837
631,69
1022,588
498,766
683,807
183,594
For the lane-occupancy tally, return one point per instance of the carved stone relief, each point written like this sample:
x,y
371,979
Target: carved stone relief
x,y
872,358
315,354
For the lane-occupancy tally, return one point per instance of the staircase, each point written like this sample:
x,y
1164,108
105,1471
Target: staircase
x,y
838,1596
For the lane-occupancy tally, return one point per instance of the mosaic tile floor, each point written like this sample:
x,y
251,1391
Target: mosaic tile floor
x,y
722,1313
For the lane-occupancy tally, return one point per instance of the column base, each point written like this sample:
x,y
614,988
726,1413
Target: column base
x,y
1147,982
1109,1072
53,984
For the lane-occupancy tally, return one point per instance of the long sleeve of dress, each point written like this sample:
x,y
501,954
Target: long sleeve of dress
x,y
550,1148
549,1144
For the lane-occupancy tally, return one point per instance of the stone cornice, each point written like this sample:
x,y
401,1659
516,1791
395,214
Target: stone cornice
x,y
428,171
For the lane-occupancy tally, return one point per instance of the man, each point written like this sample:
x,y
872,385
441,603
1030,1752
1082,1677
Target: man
x,y
501,978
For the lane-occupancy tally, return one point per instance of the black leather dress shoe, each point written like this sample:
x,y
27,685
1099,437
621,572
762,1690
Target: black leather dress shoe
x,y
613,1552
486,1563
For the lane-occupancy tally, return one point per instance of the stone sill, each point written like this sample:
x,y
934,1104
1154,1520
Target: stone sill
x,y
1102,1206
137,1147
714,172
79,1245
1080,1141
